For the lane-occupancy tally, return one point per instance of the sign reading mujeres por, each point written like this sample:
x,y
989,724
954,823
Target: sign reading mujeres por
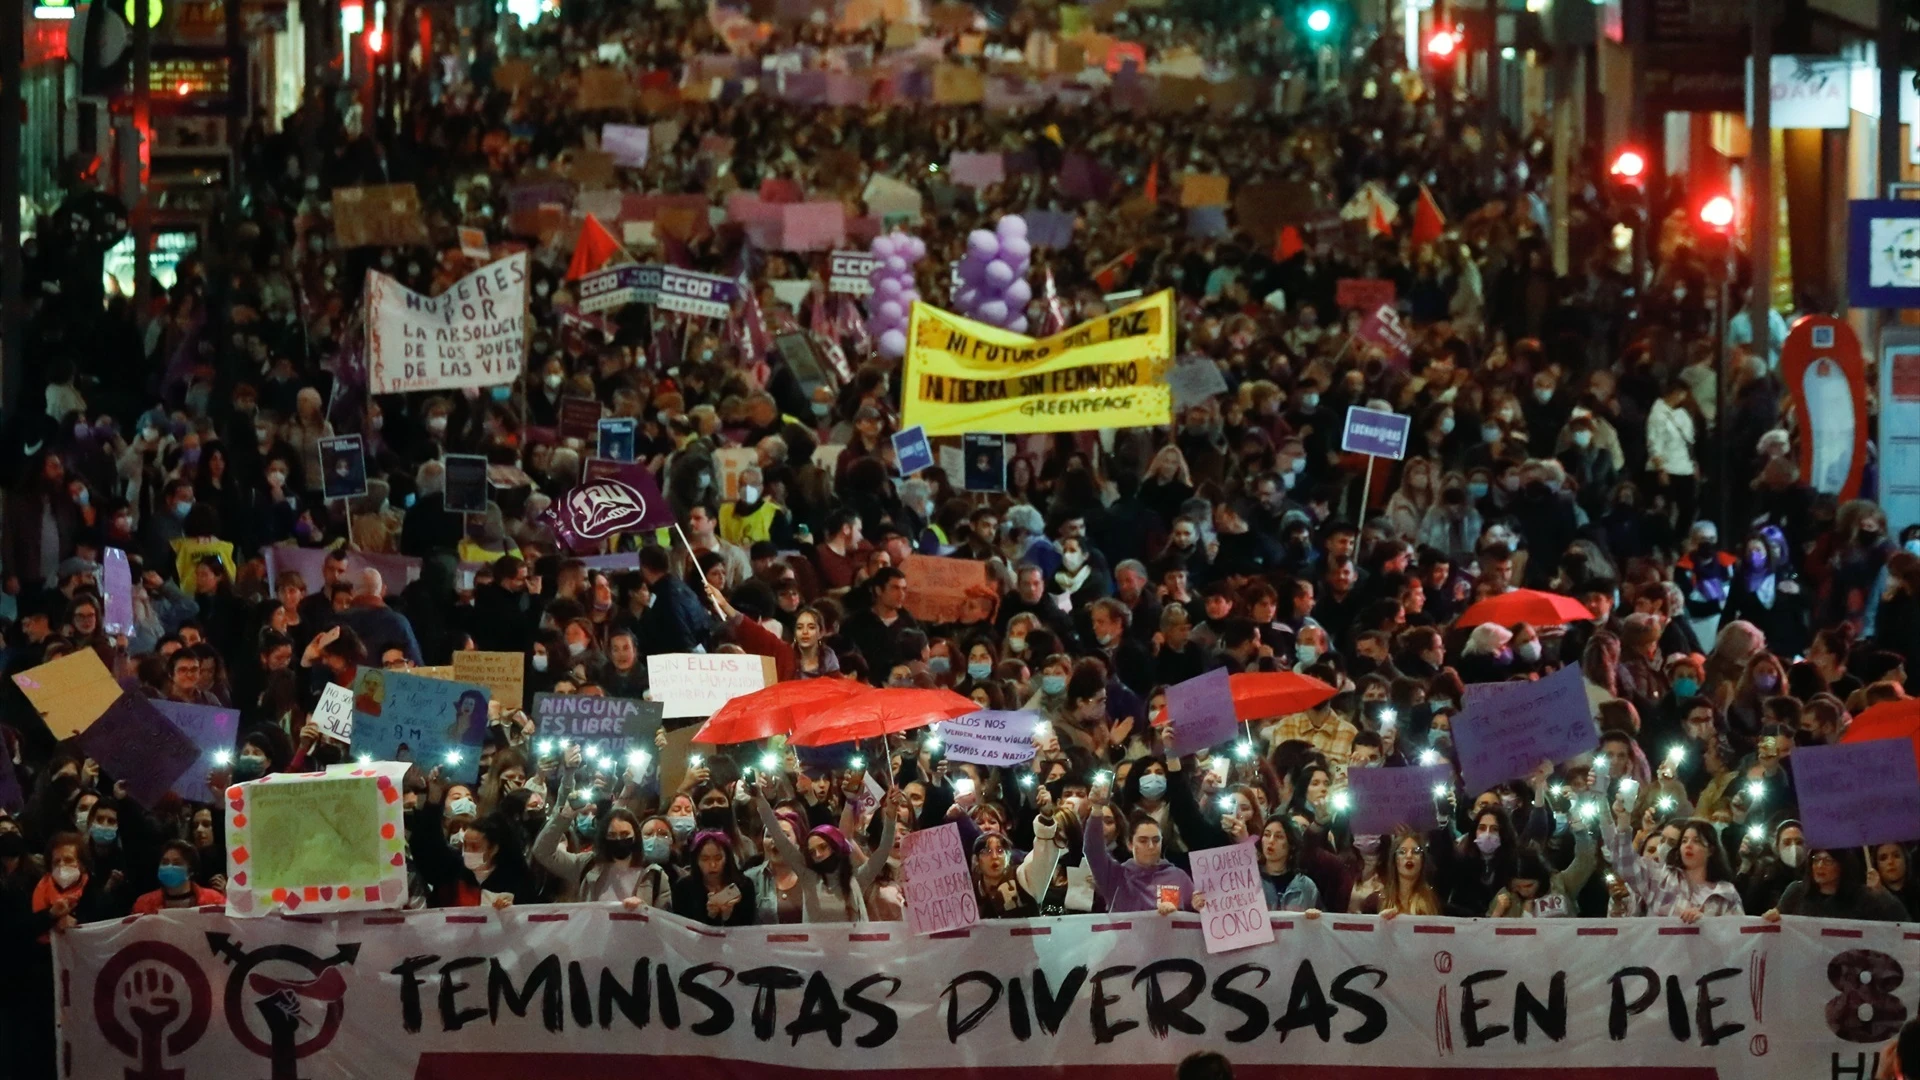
x,y
474,334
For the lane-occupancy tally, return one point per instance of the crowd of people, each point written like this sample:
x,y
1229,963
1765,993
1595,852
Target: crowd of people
x,y
1557,445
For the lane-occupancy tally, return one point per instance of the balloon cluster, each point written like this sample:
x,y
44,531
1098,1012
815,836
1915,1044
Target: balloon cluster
x,y
993,275
893,290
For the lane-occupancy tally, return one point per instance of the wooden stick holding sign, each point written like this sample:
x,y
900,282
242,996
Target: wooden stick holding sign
x,y
1376,434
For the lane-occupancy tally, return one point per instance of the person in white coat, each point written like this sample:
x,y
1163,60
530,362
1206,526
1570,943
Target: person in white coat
x,y
1670,442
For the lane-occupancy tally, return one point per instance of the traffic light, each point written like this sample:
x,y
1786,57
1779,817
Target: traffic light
x,y
1629,167
1442,44
1319,19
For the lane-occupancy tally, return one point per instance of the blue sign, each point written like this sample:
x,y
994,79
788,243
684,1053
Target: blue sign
x,y
1381,434
616,438
1883,253
913,450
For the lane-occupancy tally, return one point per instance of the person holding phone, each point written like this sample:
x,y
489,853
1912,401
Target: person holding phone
x,y
834,890
1144,882
716,893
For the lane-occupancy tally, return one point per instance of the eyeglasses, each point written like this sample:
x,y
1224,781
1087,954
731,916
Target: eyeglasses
x,y
1822,857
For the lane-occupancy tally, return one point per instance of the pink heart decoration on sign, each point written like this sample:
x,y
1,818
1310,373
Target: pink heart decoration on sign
x,y
399,859
326,892
240,878
241,901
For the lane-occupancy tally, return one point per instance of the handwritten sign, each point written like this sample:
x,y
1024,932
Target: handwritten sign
x,y
627,144
1235,916
1385,799
212,729
70,692
734,460
1201,712
504,674
311,842
1856,794
938,887
1511,733
399,716
937,588
990,737
695,684
601,725
116,585
334,713
137,745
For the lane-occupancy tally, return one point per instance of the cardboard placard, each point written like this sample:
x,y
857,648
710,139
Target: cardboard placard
x,y
609,726
1235,916
1202,189
403,716
71,692
313,842
937,588
938,886
695,684
385,215
504,674
334,713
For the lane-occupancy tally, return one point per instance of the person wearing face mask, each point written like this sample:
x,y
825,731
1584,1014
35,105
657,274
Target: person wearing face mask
x,y
752,517
1481,864
625,862
489,868
1590,467
834,890
177,890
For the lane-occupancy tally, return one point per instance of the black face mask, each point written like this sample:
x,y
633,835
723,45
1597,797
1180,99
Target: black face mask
x,y
12,846
618,847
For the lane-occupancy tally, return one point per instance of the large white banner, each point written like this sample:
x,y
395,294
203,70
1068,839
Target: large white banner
x,y
474,334
591,990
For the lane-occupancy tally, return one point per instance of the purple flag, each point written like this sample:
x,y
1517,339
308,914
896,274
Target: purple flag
x,y
615,497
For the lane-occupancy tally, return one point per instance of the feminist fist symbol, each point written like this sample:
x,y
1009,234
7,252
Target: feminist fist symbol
x,y
152,1005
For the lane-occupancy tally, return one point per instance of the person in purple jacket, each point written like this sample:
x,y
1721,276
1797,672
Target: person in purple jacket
x,y
1143,883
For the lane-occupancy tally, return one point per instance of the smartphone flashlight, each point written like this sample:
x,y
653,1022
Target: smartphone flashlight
x,y
1389,717
1342,801
1756,790
1664,804
856,763
453,757
366,759
1611,879
962,787
1628,790
1439,791
223,757
769,762
1756,833
1589,810
1677,755
1028,781
1042,729
694,761
1243,750
931,742
638,760
1556,790
546,747
1229,804
1429,757
1104,776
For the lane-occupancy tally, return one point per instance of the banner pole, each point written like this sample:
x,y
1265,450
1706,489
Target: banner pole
x,y
1366,492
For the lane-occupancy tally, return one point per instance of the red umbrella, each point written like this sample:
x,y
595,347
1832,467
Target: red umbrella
x,y
881,712
776,710
1887,720
1261,694
1526,606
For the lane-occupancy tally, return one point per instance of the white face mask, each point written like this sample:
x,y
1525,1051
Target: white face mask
x,y
749,493
1792,854
554,381
461,807
437,424
1583,439
65,876
474,859
540,662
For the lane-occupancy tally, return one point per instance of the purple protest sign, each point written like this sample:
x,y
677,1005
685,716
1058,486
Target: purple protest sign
x,y
1201,712
212,729
1509,734
627,144
1381,434
617,497
1857,794
1385,799
140,747
116,582
696,293
1384,330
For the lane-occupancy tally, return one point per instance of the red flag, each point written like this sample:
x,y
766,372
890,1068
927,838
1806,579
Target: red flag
x,y
1109,275
1287,244
1153,182
595,247
1377,223
1428,222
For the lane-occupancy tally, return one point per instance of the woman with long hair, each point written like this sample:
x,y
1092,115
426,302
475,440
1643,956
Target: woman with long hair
x,y
1693,880
813,657
1406,888
716,893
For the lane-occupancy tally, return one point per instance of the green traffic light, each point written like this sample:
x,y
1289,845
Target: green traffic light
x,y
1319,20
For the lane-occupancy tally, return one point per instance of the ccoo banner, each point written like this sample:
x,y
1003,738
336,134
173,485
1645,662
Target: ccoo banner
x,y
596,990
474,334
1107,372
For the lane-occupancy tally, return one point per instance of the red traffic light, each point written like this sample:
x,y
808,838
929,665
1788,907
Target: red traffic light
x,y
1717,212
1629,166
1441,44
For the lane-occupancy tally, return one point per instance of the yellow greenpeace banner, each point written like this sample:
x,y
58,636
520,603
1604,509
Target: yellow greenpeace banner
x,y
1108,372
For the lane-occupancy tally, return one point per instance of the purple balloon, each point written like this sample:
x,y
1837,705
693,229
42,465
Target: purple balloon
x,y
993,313
895,265
883,246
916,248
1019,325
893,343
887,287
1015,249
964,298
890,310
999,275
973,273
1011,227
1018,293
982,243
